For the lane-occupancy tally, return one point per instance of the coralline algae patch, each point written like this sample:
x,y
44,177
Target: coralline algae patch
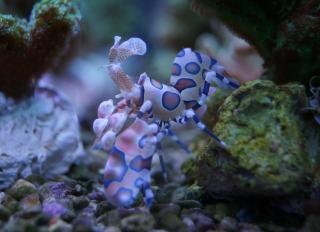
x,y
261,124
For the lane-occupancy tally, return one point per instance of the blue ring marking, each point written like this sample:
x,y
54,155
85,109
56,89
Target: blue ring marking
x,y
212,62
190,104
176,69
175,138
220,77
160,124
166,124
116,152
141,98
184,83
141,141
142,80
139,182
148,201
198,55
234,85
140,114
196,106
196,119
211,134
181,53
146,185
170,100
204,71
192,67
139,163
129,202
206,88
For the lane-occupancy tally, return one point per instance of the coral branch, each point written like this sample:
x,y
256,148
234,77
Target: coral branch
x,y
30,48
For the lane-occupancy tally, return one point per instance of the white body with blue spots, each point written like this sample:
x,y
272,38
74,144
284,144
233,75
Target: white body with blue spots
x,y
189,72
154,105
166,100
127,170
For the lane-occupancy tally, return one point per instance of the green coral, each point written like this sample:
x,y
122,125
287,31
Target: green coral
x,y
30,48
285,32
262,125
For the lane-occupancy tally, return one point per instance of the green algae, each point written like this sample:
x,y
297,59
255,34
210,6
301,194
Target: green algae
x,y
263,129
267,148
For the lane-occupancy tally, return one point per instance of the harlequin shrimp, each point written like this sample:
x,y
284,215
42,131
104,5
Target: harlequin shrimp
x,y
154,106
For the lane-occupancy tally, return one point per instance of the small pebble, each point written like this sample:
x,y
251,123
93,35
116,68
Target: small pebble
x,y
228,224
2,195
245,227
103,207
10,203
112,229
202,221
58,208
78,190
4,213
138,223
60,226
31,203
30,206
111,218
42,220
84,222
54,189
96,196
22,189
189,223
103,219
80,202
168,218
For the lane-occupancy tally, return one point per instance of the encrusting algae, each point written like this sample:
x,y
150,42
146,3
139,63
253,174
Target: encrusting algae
x,y
267,152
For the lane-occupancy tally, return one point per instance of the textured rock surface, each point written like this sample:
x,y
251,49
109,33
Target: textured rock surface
x,y
22,189
40,135
263,128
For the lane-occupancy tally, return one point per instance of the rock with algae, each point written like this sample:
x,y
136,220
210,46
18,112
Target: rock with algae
x,y
268,156
286,33
29,48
